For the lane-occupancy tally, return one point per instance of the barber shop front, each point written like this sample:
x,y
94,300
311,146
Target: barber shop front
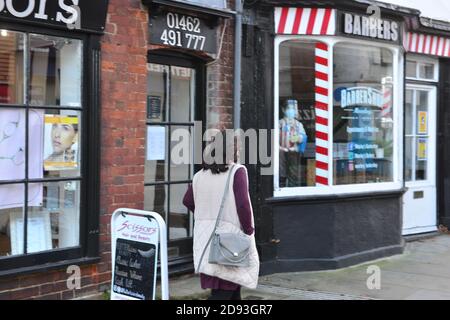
x,y
355,153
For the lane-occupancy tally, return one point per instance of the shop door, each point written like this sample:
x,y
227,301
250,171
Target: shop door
x,y
172,107
419,202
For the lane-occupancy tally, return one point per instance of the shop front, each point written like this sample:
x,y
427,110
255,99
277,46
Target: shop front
x,y
426,108
354,143
49,107
183,96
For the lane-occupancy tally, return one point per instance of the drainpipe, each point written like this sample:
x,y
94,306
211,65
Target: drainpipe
x,y
237,65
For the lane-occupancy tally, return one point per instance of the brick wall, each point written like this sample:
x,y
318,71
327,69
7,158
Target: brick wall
x,y
220,80
123,130
123,97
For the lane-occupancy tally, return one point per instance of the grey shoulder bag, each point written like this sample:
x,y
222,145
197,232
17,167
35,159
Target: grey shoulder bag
x,y
228,249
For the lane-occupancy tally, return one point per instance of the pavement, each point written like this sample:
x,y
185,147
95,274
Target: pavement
x,y
422,272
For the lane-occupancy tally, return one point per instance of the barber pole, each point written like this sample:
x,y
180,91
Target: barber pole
x,y
427,44
322,113
387,98
305,21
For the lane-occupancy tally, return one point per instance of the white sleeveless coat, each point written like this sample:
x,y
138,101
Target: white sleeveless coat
x,y
208,190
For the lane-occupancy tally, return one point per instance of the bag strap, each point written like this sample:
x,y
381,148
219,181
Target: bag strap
x,y
222,205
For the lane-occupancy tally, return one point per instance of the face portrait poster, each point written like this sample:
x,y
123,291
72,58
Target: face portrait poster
x,y
61,142
13,155
422,122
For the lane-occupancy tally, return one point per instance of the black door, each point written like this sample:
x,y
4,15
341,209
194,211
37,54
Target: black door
x,y
175,99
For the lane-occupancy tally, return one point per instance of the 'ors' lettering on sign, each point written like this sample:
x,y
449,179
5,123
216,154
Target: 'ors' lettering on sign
x,y
371,27
86,15
182,31
37,9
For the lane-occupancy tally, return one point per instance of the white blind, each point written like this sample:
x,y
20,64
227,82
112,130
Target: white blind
x,y
220,4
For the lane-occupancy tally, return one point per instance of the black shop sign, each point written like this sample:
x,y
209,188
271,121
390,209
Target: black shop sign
x,y
183,31
85,15
370,27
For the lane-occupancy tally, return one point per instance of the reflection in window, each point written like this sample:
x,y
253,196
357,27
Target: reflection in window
x,y
297,116
56,223
421,70
363,114
11,67
11,206
55,71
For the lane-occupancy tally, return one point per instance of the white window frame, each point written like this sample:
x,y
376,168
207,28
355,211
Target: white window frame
x,y
420,60
398,72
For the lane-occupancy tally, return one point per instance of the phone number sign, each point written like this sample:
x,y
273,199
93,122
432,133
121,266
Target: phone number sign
x,y
183,31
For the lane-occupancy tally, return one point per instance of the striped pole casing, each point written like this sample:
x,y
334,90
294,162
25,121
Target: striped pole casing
x,y
322,113
305,21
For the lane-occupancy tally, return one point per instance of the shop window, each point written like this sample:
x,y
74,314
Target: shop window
x,y
363,125
421,68
297,152
40,143
335,117
417,134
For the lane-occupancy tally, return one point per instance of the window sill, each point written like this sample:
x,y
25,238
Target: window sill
x,y
49,267
336,197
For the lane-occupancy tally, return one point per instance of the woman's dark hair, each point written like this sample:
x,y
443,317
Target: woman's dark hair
x,y
218,153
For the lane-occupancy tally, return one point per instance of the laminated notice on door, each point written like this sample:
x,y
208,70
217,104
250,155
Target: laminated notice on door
x,y
422,119
156,143
422,149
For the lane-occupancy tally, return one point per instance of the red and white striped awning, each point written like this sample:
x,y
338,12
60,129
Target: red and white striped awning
x,y
427,44
305,21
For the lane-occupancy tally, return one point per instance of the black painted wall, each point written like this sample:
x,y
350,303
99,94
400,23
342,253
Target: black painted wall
x,y
335,232
257,106
443,155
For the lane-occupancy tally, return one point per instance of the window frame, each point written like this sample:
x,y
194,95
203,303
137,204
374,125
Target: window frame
x,y
87,251
420,60
398,69
432,135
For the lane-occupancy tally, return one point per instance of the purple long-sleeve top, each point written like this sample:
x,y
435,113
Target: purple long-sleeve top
x,y
243,206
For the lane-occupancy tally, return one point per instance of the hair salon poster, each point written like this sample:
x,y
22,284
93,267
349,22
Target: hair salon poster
x,y
61,150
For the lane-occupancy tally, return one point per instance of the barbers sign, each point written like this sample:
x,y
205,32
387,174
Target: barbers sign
x,y
372,27
86,15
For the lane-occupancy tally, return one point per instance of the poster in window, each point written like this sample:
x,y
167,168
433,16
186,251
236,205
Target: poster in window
x,y
39,232
61,142
422,149
13,154
156,143
154,110
422,119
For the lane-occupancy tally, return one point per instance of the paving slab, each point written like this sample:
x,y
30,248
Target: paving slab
x,y
421,273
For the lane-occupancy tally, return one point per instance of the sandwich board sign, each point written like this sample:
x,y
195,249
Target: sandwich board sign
x,y
137,237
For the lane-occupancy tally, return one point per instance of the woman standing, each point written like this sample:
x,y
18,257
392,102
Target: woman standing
x,y
204,198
